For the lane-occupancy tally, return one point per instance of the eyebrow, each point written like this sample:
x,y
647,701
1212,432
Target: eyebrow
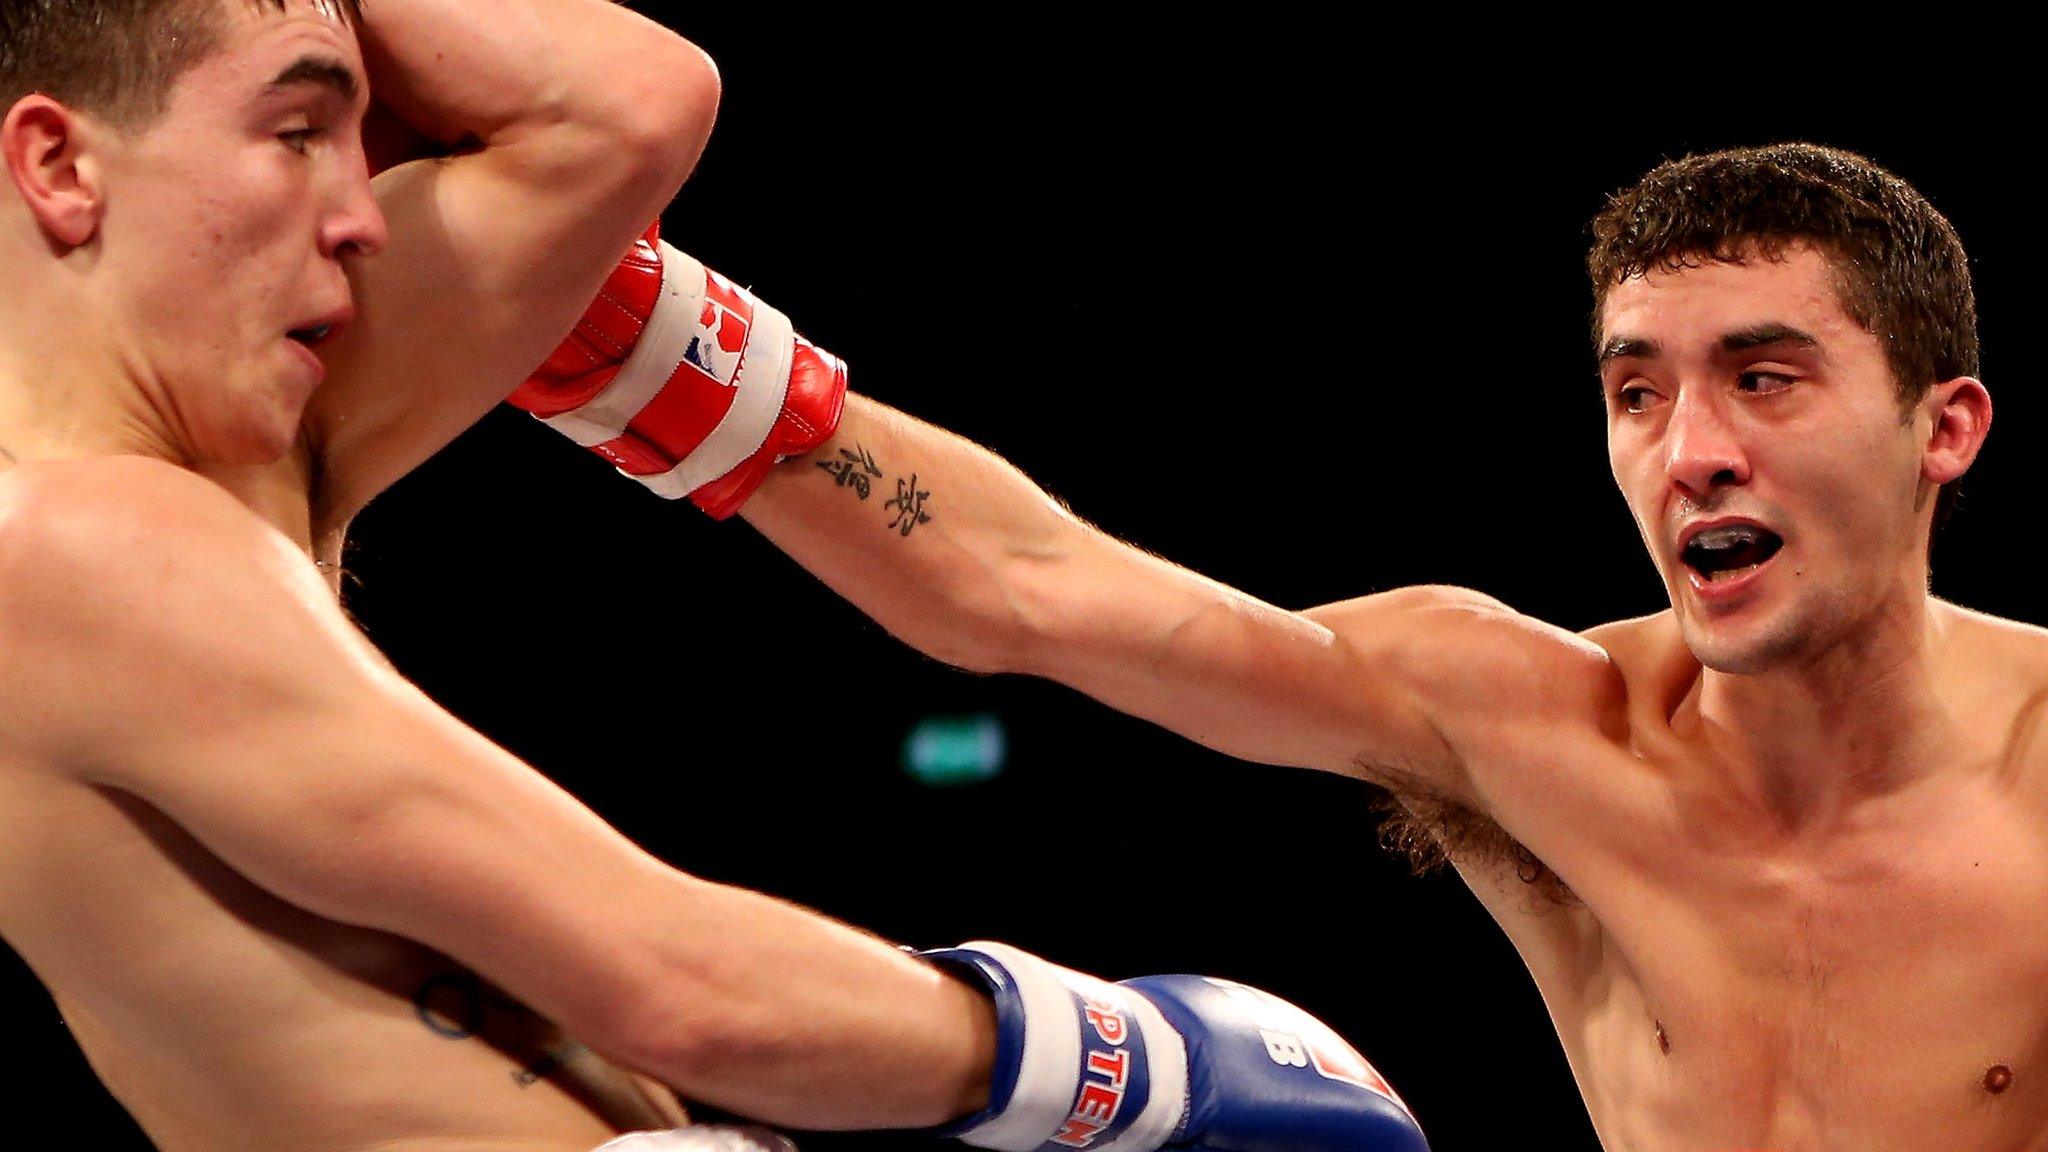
x,y
1740,340
323,71
1765,336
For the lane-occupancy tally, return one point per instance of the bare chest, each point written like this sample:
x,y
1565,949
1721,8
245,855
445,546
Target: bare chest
x,y
1889,991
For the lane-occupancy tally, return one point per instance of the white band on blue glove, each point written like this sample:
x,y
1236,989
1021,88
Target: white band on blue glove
x,y
1100,1069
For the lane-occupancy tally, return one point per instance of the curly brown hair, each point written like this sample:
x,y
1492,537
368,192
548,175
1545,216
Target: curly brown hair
x,y
114,58
1900,269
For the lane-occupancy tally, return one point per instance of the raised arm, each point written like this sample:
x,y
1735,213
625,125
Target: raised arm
x,y
571,123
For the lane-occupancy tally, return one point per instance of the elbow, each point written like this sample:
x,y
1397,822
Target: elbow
x,y
661,114
639,129
670,122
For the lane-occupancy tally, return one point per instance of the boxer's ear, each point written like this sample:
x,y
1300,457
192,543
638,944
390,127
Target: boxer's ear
x,y
1958,414
48,150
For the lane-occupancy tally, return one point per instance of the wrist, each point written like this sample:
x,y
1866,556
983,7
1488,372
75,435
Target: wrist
x,y
1079,1062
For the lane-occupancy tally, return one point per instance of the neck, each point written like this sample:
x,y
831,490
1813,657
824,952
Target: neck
x,y
77,393
1860,720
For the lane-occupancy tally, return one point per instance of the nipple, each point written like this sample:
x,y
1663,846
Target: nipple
x,y
1997,1079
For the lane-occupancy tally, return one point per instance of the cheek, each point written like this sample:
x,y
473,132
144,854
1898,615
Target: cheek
x,y
1867,498
1624,459
249,196
1635,472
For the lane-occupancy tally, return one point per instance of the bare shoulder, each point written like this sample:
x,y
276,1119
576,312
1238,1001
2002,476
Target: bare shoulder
x,y
1995,670
1489,686
128,585
1469,642
82,540
1647,652
1653,670
1636,636
60,500
1979,635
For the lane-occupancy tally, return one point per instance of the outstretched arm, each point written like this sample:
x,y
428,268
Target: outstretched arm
x,y
570,124
976,565
959,554
956,552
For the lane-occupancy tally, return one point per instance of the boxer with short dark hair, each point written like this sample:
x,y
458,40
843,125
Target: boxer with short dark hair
x,y
1731,808
283,899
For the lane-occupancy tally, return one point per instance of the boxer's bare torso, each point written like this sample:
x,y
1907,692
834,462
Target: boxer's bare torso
x,y
227,1020
1743,970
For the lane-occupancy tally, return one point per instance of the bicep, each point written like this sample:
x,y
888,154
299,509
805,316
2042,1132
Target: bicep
x,y
366,804
1481,689
358,800
1213,663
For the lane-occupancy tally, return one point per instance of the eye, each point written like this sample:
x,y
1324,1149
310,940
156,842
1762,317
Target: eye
x,y
1763,383
299,140
1635,398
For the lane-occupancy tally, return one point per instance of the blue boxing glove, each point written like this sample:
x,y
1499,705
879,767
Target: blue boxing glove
x,y
1167,1062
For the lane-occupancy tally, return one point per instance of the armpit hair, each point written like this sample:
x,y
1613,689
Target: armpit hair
x,y
1431,830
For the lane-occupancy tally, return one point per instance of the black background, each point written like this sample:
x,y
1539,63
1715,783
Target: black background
x,y
1302,311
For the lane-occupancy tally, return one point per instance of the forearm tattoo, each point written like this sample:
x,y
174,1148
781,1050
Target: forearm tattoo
x,y
855,468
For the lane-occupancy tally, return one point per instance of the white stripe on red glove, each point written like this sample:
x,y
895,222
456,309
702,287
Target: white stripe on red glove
x,y
687,382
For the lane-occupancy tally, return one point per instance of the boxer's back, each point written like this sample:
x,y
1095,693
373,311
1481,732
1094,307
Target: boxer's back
x,y
226,1019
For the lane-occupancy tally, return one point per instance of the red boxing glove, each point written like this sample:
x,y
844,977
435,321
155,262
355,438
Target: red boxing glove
x,y
686,382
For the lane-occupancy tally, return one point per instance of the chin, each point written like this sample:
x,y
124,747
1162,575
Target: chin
x,y
242,420
1745,646
261,438
270,446
1738,656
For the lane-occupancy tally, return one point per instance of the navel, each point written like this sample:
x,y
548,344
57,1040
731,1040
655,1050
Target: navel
x,y
1664,1044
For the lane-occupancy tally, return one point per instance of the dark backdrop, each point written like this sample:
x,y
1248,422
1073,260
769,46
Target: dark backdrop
x,y
1301,311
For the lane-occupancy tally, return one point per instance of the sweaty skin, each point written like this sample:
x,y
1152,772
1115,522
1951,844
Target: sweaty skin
x,y
1801,817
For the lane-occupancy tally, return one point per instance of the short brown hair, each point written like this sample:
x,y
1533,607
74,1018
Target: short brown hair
x,y
113,58
1902,273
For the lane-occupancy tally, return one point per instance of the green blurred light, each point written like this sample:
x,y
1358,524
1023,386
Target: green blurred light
x,y
954,751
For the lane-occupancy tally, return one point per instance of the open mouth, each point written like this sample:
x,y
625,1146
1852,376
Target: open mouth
x,y
1728,552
